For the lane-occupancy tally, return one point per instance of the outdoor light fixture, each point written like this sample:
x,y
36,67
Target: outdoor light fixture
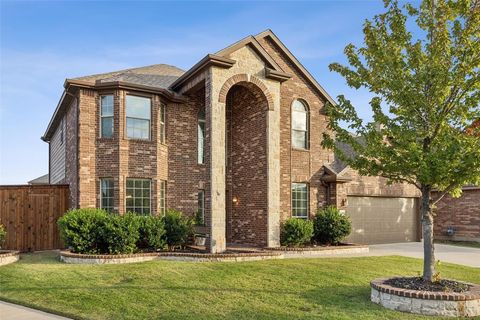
x,y
235,200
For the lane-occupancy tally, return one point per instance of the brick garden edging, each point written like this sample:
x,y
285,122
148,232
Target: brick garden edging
x,y
450,304
8,256
268,254
320,251
76,258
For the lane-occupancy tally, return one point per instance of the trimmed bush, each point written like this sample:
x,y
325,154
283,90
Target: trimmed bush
x,y
152,233
178,228
120,233
296,232
331,226
3,234
82,230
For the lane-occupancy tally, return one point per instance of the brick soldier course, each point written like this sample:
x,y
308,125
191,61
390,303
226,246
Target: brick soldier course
x,y
245,93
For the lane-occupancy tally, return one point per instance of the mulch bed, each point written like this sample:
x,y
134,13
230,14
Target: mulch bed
x,y
417,283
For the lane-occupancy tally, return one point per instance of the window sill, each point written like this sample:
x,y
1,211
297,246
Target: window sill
x,y
148,141
301,150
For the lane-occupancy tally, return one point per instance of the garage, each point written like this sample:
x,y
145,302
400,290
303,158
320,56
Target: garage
x,y
383,219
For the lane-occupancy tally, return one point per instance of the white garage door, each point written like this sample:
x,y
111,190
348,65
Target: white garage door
x,y
382,220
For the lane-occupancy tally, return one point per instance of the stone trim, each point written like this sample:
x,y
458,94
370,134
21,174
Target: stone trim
x,y
472,294
268,253
77,258
7,257
319,248
242,77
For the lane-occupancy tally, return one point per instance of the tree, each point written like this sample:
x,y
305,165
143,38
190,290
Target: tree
x,y
426,98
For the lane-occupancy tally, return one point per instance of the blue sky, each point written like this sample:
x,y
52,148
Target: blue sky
x,y
44,42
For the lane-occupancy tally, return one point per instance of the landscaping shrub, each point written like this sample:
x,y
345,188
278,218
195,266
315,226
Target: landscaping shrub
x,y
296,232
151,233
331,226
3,235
178,228
121,233
82,230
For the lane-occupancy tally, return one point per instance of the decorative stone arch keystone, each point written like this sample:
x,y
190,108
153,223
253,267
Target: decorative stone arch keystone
x,y
243,77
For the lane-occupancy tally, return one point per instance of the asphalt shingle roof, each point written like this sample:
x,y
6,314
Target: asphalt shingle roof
x,y
157,75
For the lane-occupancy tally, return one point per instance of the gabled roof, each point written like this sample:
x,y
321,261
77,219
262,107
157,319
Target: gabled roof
x,y
270,35
157,75
166,79
255,45
223,59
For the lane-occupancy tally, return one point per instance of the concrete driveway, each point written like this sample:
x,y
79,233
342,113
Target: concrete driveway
x,y
445,253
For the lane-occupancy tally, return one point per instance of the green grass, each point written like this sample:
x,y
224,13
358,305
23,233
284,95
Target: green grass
x,y
275,289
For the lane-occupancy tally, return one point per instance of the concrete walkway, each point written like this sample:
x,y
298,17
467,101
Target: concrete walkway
x,y
445,253
9,311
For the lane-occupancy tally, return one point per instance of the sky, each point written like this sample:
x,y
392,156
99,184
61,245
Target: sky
x,y
44,42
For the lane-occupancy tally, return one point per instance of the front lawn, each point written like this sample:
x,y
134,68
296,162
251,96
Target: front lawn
x,y
275,289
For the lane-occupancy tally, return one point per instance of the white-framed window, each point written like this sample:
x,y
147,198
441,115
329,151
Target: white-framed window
x,y
300,123
163,111
138,195
106,194
138,111
106,116
201,136
162,197
299,200
201,207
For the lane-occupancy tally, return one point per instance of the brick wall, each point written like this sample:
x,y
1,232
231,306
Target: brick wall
x,y
185,175
463,214
300,165
246,165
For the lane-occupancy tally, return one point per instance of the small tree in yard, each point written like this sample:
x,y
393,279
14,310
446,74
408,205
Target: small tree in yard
x,y
431,88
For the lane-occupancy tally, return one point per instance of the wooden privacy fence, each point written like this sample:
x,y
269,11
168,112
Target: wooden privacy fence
x,y
30,213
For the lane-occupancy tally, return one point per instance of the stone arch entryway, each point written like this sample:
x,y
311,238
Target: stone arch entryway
x,y
246,175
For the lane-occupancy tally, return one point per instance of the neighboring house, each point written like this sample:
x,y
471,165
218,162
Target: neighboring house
x,y
236,138
40,180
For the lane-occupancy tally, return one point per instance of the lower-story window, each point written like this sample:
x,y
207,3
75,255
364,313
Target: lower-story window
x,y
106,194
138,195
300,200
161,199
201,208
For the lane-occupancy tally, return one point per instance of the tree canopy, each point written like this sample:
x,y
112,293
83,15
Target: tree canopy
x,y
426,96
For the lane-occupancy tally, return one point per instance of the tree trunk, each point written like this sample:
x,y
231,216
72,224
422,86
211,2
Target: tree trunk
x,y
427,230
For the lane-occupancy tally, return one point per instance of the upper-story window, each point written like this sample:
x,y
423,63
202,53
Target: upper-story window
x,y
300,125
106,116
201,136
163,110
138,110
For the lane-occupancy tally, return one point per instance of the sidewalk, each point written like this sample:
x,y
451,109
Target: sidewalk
x,y
10,311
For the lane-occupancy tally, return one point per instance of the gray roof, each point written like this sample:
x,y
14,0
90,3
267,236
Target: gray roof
x,y
40,180
157,75
338,165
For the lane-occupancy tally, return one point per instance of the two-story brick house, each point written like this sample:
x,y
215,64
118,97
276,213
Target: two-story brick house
x,y
236,137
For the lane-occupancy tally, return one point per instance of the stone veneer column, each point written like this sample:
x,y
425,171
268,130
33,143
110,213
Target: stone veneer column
x,y
273,147
215,116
